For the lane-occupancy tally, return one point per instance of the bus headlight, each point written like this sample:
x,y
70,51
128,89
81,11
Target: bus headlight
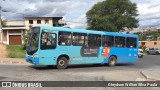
x,y
35,55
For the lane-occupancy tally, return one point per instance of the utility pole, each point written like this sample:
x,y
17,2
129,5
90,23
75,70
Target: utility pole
x,y
1,20
0,25
0,16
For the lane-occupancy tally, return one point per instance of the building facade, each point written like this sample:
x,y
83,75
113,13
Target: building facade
x,y
14,31
39,21
149,44
13,35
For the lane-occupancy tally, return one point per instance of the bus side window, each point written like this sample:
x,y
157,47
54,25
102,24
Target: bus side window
x,y
119,41
64,38
48,41
78,39
131,42
107,41
94,40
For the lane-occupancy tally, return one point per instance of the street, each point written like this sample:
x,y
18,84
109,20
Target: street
x,y
121,72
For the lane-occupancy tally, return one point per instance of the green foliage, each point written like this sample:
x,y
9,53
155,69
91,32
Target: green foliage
x,y
143,48
30,26
141,36
112,15
155,36
25,37
3,22
15,51
24,45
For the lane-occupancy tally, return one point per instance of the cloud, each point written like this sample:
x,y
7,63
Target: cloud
x,y
149,15
79,22
75,10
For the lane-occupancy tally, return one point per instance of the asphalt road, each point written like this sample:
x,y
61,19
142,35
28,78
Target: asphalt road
x,y
121,72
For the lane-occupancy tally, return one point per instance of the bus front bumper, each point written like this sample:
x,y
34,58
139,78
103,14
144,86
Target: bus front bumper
x,y
32,60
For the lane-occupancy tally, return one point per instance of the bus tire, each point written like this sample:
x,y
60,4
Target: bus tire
x,y
62,63
112,61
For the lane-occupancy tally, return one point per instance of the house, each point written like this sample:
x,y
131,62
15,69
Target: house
x,y
13,33
38,21
149,44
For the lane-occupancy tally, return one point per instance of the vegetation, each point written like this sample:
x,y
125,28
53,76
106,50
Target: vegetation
x,y
15,51
112,15
25,37
143,48
30,26
3,22
141,36
155,36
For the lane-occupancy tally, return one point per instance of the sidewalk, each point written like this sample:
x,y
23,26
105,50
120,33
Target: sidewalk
x,y
151,74
13,61
3,51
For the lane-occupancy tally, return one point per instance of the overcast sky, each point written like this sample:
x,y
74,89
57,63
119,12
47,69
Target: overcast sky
x,y
75,10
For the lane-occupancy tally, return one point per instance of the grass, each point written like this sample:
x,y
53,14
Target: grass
x,y
15,51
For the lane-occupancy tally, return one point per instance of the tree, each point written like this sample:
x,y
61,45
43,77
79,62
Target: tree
x,y
112,15
141,36
156,35
3,22
30,26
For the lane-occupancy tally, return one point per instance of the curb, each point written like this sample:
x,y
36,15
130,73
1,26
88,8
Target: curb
x,y
144,75
9,62
148,77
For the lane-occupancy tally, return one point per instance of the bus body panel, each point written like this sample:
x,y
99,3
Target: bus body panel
x,y
50,56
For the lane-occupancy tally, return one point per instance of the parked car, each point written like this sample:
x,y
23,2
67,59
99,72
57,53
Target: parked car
x,y
153,51
140,53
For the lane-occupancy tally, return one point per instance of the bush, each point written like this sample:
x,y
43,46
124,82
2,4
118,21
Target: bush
x,y
143,48
15,51
24,46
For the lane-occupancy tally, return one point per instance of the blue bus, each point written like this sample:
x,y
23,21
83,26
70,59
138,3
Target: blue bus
x,y
61,47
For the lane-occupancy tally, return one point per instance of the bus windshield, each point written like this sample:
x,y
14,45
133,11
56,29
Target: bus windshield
x,y
32,43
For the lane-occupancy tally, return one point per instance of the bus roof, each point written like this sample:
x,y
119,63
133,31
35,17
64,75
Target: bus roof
x,y
86,31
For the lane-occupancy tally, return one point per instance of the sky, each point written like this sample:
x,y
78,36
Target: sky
x,y
74,11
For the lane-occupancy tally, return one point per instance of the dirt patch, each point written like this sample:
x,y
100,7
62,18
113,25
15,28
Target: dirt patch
x,y
3,51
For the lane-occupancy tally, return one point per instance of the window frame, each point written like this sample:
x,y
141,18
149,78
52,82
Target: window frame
x,y
70,38
82,34
112,41
46,21
127,42
30,21
115,43
96,40
51,47
38,21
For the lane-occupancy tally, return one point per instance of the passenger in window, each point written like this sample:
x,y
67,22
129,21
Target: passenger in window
x,y
61,40
49,40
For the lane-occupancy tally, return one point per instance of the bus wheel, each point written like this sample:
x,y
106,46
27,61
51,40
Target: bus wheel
x,y
62,63
112,61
